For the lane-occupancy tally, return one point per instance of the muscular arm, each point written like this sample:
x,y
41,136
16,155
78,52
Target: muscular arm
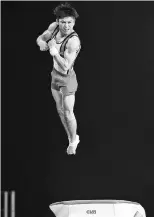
x,y
47,34
69,55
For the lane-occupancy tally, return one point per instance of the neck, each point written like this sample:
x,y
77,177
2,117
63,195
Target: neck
x,y
64,35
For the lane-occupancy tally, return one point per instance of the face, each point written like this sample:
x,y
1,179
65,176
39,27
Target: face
x,y
66,25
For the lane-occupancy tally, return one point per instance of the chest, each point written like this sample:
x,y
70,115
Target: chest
x,y
57,45
58,41
58,38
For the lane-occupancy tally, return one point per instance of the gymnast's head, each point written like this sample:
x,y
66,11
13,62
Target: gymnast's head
x,y
66,16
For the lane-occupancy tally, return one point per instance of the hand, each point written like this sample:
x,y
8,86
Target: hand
x,y
52,43
53,51
43,45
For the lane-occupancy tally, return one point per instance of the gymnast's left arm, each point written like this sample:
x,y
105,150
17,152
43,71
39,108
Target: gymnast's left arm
x,y
69,54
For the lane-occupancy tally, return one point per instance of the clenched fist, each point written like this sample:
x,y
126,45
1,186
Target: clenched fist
x,y
52,43
53,51
43,45
52,47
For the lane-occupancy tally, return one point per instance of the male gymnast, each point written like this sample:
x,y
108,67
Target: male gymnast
x,y
64,45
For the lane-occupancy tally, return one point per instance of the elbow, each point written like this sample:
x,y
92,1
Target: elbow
x,y
38,39
66,66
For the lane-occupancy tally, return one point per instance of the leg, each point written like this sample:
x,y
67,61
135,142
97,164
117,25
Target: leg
x,y
68,103
57,95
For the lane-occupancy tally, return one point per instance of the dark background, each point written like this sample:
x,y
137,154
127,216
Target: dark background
x,y
114,107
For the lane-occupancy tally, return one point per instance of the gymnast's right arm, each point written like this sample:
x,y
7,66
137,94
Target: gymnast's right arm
x,y
41,40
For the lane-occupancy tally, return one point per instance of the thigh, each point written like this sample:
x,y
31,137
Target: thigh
x,y
68,102
57,97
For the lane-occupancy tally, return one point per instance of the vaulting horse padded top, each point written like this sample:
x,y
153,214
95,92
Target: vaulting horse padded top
x,y
97,208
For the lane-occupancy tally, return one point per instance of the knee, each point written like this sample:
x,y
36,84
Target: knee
x,y
69,115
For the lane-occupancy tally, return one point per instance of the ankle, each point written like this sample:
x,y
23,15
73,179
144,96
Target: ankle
x,y
75,139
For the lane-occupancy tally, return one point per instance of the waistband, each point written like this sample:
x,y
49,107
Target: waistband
x,y
69,72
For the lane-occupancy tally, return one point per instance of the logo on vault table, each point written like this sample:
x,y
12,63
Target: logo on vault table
x,y
91,211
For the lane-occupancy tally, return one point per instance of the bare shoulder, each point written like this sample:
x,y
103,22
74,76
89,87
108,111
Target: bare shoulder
x,y
73,43
52,26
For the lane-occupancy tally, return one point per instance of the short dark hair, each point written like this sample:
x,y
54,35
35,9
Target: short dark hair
x,y
65,10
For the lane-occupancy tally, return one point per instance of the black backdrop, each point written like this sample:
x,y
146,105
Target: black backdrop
x,y
114,107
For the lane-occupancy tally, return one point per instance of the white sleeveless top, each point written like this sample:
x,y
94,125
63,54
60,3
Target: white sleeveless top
x,y
55,64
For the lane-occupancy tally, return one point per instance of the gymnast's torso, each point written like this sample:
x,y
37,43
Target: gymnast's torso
x,y
58,42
